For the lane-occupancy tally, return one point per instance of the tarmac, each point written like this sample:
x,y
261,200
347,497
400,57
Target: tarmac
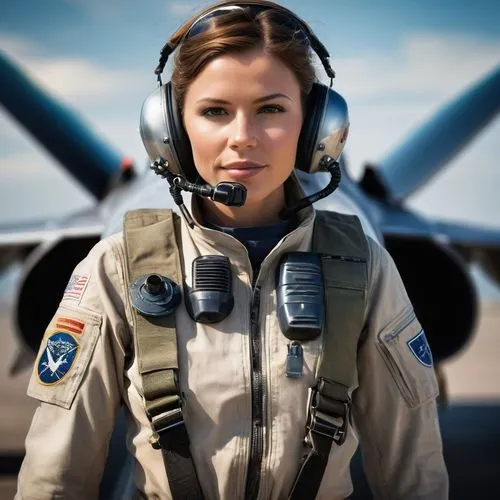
x,y
470,425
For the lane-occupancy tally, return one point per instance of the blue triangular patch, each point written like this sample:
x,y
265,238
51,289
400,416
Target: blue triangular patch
x,y
420,348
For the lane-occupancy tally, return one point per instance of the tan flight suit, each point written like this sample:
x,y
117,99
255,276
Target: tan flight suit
x,y
394,411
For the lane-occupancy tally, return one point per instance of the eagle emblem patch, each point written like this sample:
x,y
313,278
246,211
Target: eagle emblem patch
x,y
420,348
57,358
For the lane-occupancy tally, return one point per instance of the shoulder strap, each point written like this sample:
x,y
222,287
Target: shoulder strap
x,y
151,247
342,245
152,239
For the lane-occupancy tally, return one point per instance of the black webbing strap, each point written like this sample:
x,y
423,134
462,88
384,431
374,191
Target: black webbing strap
x,y
151,246
340,241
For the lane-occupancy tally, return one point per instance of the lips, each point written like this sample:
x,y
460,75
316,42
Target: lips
x,y
243,170
242,165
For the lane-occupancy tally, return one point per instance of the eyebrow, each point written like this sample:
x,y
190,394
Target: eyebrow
x,y
257,101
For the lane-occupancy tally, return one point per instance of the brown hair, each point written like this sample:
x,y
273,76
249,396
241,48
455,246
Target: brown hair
x,y
238,31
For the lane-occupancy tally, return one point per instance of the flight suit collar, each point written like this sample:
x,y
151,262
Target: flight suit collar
x,y
293,193
211,241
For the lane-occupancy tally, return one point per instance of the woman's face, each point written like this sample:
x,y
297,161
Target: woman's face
x,y
243,116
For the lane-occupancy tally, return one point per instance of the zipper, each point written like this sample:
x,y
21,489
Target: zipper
x,y
257,436
393,366
344,258
405,320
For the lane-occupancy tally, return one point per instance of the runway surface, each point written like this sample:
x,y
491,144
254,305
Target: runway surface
x,y
470,426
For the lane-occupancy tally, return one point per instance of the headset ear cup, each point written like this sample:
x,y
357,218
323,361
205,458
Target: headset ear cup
x,y
179,140
314,111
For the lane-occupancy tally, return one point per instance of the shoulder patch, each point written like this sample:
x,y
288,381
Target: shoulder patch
x,y
65,354
57,358
420,348
75,287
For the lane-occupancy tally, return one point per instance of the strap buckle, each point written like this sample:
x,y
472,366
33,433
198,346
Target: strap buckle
x,y
324,424
162,424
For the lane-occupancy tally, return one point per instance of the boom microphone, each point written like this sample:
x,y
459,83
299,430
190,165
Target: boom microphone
x,y
231,194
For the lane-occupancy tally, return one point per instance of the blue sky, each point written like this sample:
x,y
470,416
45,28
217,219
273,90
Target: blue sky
x,y
396,63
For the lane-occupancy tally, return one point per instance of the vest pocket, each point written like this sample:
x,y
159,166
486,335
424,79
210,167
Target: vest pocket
x,y
404,348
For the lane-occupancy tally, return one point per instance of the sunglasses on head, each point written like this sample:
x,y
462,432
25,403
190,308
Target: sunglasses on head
x,y
202,23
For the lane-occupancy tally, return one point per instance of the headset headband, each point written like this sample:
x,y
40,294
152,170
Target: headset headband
x,y
199,25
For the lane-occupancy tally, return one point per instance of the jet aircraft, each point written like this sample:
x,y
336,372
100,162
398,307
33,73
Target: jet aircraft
x,y
433,256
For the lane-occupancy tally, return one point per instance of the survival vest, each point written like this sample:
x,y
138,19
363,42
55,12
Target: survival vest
x,y
152,241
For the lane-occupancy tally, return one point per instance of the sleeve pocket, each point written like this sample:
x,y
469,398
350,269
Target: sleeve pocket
x,y
65,353
405,350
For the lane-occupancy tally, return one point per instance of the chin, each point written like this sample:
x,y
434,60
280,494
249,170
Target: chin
x,y
257,197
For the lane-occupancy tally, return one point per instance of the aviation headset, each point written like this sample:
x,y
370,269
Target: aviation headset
x,y
324,130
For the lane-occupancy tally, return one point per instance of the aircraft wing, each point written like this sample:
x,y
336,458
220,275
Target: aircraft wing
x,y
19,240
44,251
468,236
33,233
86,223
398,221
478,244
475,243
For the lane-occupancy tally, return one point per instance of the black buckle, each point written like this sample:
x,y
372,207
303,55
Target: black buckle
x,y
164,423
321,424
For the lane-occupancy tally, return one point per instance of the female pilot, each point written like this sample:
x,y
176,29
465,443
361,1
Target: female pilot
x,y
209,329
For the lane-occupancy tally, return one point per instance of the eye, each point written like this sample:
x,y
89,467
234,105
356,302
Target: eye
x,y
213,112
272,108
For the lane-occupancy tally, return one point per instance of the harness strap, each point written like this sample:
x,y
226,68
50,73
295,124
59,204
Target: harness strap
x,y
340,241
151,238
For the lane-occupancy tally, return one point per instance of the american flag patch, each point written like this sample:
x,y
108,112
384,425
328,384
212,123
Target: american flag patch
x,y
75,287
69,325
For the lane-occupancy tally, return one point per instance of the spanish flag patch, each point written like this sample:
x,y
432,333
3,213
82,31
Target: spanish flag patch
x,y
69,325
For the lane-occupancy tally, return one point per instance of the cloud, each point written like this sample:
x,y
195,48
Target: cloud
x,y
17,46
27,166
428,65
10,132
97,8
108,9
78,78
390,93
45,189
49,197
185,8
71,79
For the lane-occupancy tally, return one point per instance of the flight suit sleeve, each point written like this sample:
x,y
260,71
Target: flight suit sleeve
x,y
394,407
78,379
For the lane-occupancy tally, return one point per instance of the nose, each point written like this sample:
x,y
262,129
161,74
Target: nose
x,y
242,134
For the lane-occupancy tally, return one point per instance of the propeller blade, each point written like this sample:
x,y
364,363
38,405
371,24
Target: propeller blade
x,y
435,143
84,155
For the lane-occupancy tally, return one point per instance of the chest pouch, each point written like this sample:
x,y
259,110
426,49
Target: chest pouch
x,y
210,300
300,295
